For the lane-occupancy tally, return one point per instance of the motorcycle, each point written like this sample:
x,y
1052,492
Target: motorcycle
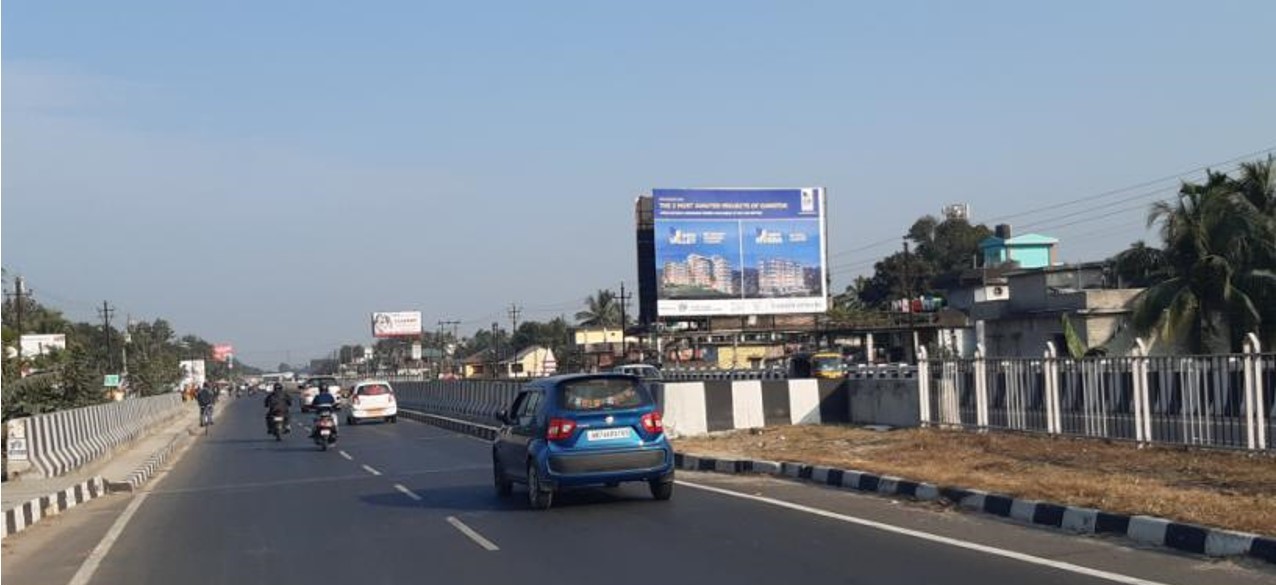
x,y
277,427
325,431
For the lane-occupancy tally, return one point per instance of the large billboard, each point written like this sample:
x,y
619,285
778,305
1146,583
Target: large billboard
x,y
193,372
223,352
41,344
396,324
740,251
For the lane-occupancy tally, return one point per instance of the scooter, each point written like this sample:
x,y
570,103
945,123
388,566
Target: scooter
x,y
277,427
325,432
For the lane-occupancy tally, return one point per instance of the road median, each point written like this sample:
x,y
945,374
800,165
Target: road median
x,y
1208,502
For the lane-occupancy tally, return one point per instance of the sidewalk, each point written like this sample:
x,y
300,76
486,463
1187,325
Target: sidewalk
x,y
26,501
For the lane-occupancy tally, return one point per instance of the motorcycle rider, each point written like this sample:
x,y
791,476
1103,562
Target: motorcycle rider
x,y
278,402
324,399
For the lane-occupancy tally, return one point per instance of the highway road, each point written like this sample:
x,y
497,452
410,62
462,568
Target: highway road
x,y
410,503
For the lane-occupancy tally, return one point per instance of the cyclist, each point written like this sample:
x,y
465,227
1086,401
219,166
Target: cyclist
x,y
205,397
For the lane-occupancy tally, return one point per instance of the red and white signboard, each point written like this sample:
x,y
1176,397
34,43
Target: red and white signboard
x,y
222,352
396,324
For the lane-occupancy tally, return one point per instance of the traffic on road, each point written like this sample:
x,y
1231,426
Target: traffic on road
x,y
407,503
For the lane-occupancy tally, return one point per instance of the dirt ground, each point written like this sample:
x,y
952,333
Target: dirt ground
x,y
1223,489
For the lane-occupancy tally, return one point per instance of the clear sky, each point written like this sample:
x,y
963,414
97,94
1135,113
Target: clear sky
x,y
268,173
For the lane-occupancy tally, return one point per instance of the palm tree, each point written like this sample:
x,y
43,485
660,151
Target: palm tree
x,y
601,310
1254,200
1140,265
1217,255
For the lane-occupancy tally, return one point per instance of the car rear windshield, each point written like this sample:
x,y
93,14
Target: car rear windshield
x,y
601,394
322,382
374,390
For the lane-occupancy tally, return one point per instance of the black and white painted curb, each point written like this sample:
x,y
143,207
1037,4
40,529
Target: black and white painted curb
x,y
452,424
148,469
21,517
1148,530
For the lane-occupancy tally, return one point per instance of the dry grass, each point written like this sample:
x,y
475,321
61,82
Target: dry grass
x,y
1224,489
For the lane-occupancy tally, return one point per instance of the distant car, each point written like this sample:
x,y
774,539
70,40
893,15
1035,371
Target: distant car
x,y
310,389
647,372
579,430
372,399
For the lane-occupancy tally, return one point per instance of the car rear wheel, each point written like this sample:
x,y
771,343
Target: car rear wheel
x,y
392,419
661,490
350,420
539,497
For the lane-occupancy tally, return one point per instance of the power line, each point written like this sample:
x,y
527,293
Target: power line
x,y
1177,176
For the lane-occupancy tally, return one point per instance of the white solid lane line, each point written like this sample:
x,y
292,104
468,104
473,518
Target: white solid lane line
x,y
476,537
369,469
992,550
346,455
407,492
85,573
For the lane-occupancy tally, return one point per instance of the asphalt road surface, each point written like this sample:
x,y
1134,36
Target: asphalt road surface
x,y
409,503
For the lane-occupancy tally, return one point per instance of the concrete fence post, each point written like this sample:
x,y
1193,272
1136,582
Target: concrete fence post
x,y
923,387
1050,373
981,389
1255,409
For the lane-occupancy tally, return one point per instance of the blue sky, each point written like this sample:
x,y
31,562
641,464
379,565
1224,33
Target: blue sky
x,y
268,173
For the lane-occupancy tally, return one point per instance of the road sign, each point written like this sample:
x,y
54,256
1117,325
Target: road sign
x,y
17,440
111,380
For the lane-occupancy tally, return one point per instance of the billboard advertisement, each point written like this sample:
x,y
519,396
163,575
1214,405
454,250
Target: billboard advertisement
x,y
396,324
740,251
193,372
223,352
41,344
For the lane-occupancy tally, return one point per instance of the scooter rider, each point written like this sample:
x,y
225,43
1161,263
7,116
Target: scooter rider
x,y
324,399
278,402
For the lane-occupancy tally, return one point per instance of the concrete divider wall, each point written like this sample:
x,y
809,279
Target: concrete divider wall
x,y
703,406
477,400
893,402
61,442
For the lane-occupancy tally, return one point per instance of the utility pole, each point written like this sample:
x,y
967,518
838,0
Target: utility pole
x,y
105,312
624,342
496,350
908,298
128,338
514,312
19,302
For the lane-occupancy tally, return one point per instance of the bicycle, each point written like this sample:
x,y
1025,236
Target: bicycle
x,y
206,417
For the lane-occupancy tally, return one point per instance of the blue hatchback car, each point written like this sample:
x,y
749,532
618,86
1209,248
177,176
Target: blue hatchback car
x,y
579,430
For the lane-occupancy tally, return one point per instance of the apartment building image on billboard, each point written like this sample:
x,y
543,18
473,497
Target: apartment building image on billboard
x,y
739,251
698,276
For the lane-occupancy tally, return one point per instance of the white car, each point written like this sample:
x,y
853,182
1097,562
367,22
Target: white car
x,y
372,399
310,389
647,372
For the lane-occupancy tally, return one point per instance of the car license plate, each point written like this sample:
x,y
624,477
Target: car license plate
x,y
607,434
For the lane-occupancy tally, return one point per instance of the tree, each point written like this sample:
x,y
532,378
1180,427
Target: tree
x,y
601,310
1140,266
941,251
1219,248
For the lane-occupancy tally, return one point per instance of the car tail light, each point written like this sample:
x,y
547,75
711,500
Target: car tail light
x,y
356,400
653,423
560,429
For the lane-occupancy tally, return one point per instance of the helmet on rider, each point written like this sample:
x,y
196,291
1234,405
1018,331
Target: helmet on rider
x,y
279,387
